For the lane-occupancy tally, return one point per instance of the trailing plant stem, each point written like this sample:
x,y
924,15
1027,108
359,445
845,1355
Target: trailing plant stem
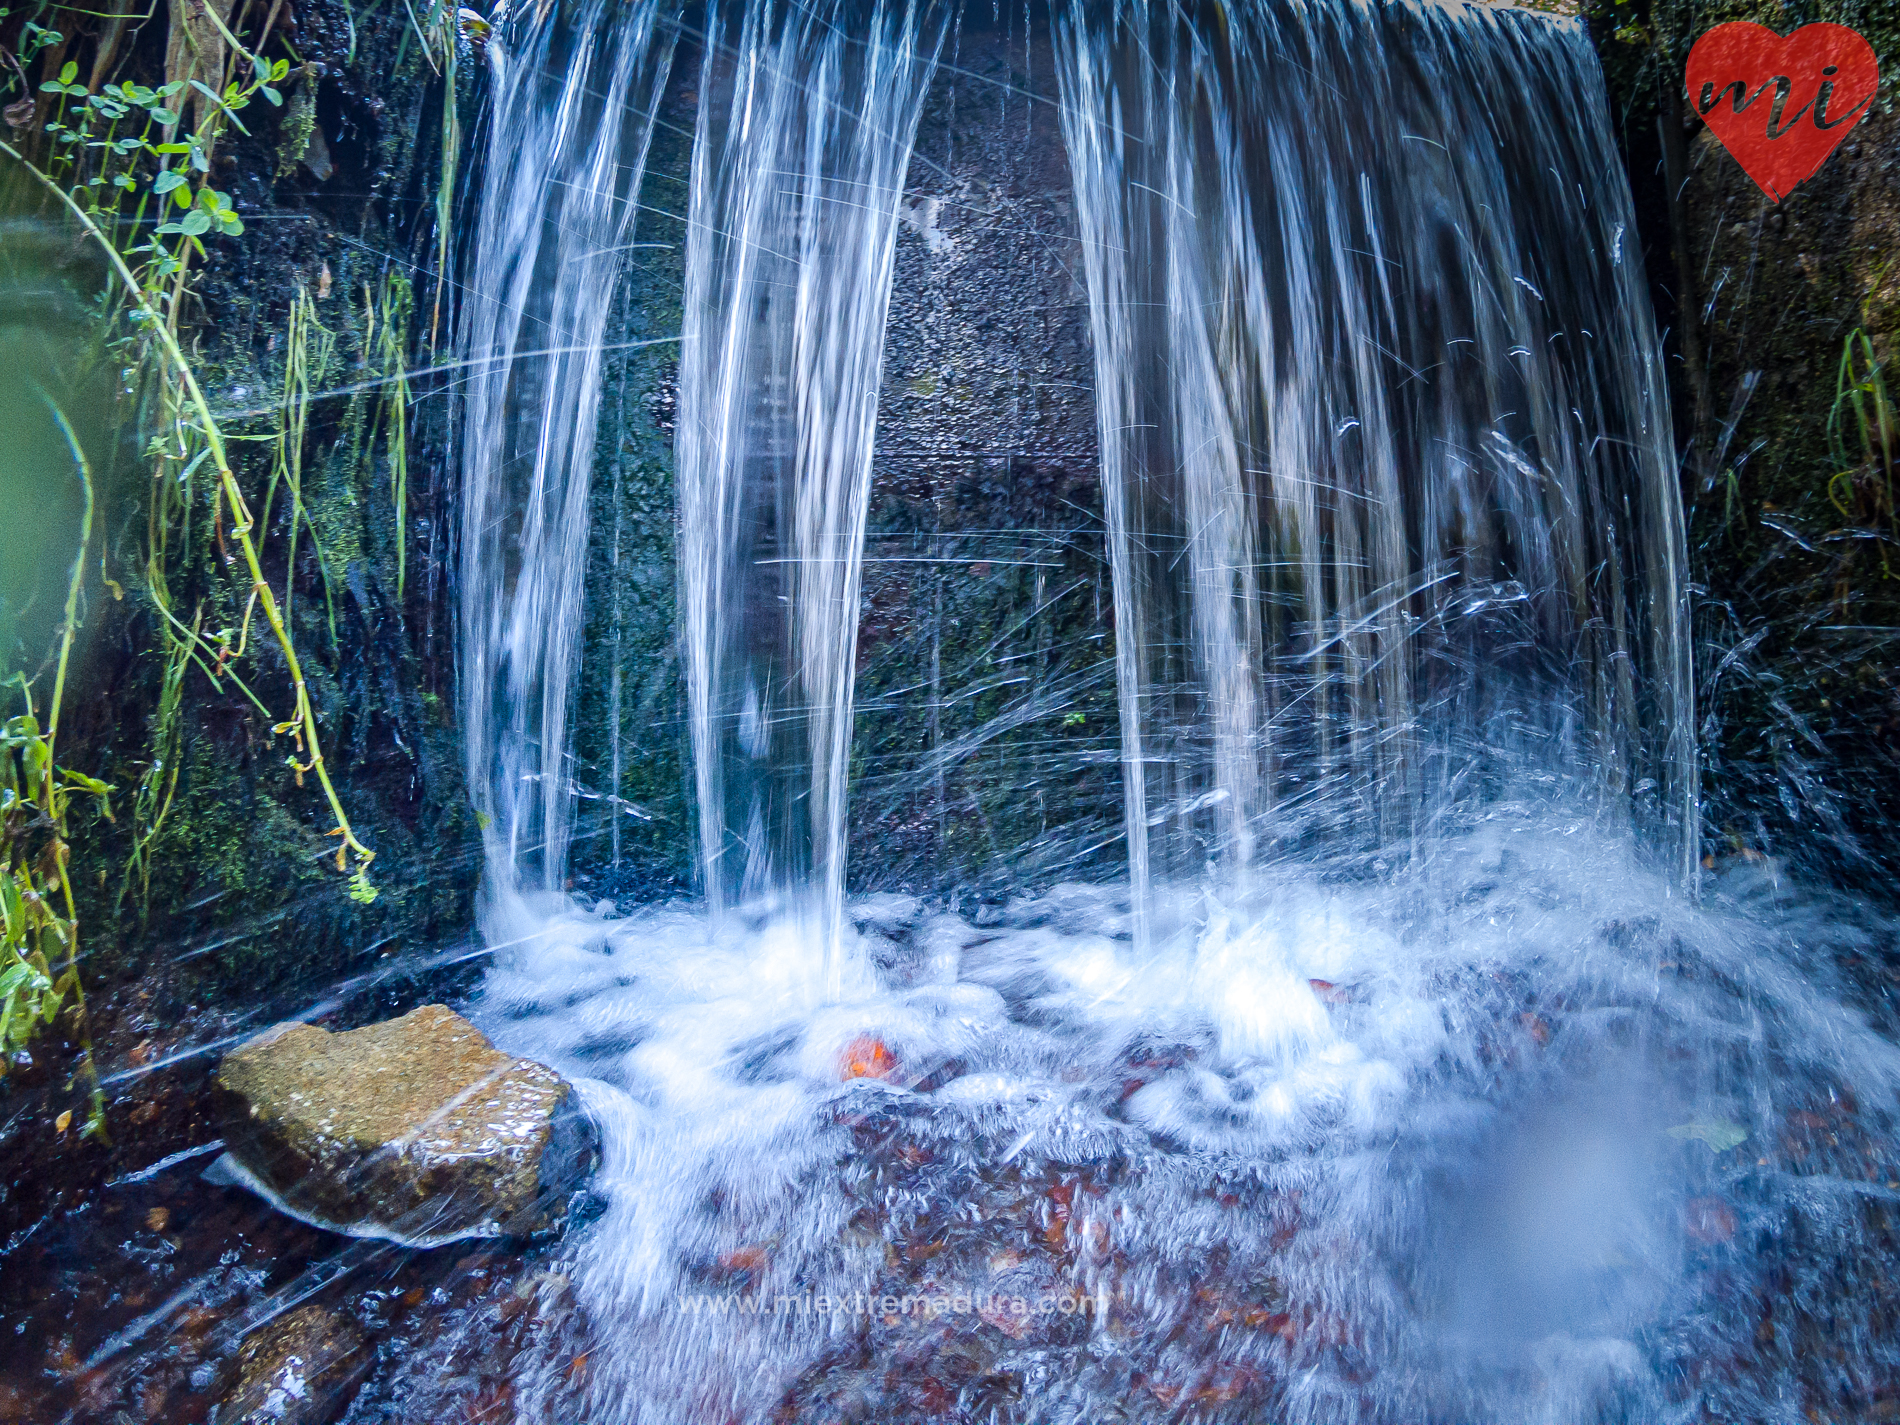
x,y
302,721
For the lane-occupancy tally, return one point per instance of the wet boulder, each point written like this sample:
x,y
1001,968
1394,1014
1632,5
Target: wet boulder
x,y
416,1129
297,1370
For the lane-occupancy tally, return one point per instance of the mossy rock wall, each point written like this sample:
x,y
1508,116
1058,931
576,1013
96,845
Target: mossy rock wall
x,y
238,885
1795,567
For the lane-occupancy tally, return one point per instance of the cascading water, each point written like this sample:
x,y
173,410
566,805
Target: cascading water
x,y
1436,1099
806,120
575,88
1386,446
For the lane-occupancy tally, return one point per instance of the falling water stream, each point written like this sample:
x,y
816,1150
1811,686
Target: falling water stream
x,y
1409,1075
575,87
806,120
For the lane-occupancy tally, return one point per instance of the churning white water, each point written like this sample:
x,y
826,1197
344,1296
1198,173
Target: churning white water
x,y
1513,1135
1405,1078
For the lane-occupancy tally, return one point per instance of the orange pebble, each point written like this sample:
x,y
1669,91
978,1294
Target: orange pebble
x,y
866,1057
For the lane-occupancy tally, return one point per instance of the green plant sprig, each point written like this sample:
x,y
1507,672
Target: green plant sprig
x,y
35,792
300,726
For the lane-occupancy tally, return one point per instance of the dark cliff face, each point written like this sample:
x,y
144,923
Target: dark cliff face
x,y
1791,531
987,742
237,885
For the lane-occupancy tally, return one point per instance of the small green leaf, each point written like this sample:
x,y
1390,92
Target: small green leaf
x,y
168,117
271,94
195,222
85,783
67,74
167,180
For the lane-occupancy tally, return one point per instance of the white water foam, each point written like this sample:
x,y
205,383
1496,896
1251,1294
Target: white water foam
x,y
1450,1090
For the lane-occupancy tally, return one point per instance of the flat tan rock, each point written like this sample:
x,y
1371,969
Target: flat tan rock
x,y
416,1129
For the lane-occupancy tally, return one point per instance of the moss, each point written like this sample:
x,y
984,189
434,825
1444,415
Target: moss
x,y
1797,605
631,741
242,882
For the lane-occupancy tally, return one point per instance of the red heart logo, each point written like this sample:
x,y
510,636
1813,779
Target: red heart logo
x,y
1781,105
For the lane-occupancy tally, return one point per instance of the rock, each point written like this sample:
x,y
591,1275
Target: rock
x,y
416,1129
297,1370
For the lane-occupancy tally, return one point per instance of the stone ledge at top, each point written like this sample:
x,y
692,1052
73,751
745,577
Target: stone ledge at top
x,y
417,1130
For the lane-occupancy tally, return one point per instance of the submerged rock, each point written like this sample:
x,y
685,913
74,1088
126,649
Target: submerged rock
x,y
295,1371
416,1129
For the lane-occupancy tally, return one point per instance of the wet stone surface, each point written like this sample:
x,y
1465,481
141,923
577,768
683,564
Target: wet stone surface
x,y
416,1127
165,1299
291,1371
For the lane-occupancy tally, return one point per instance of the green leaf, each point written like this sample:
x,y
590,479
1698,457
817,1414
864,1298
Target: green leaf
x,y
168,117
271,94
195,222
198,159
167,180
67,74
171,147
85,783
1720,1134
182,196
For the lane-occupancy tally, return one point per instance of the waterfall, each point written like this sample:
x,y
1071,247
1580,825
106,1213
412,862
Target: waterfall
x,y
1385,439
574,89
807,115
1444,1103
